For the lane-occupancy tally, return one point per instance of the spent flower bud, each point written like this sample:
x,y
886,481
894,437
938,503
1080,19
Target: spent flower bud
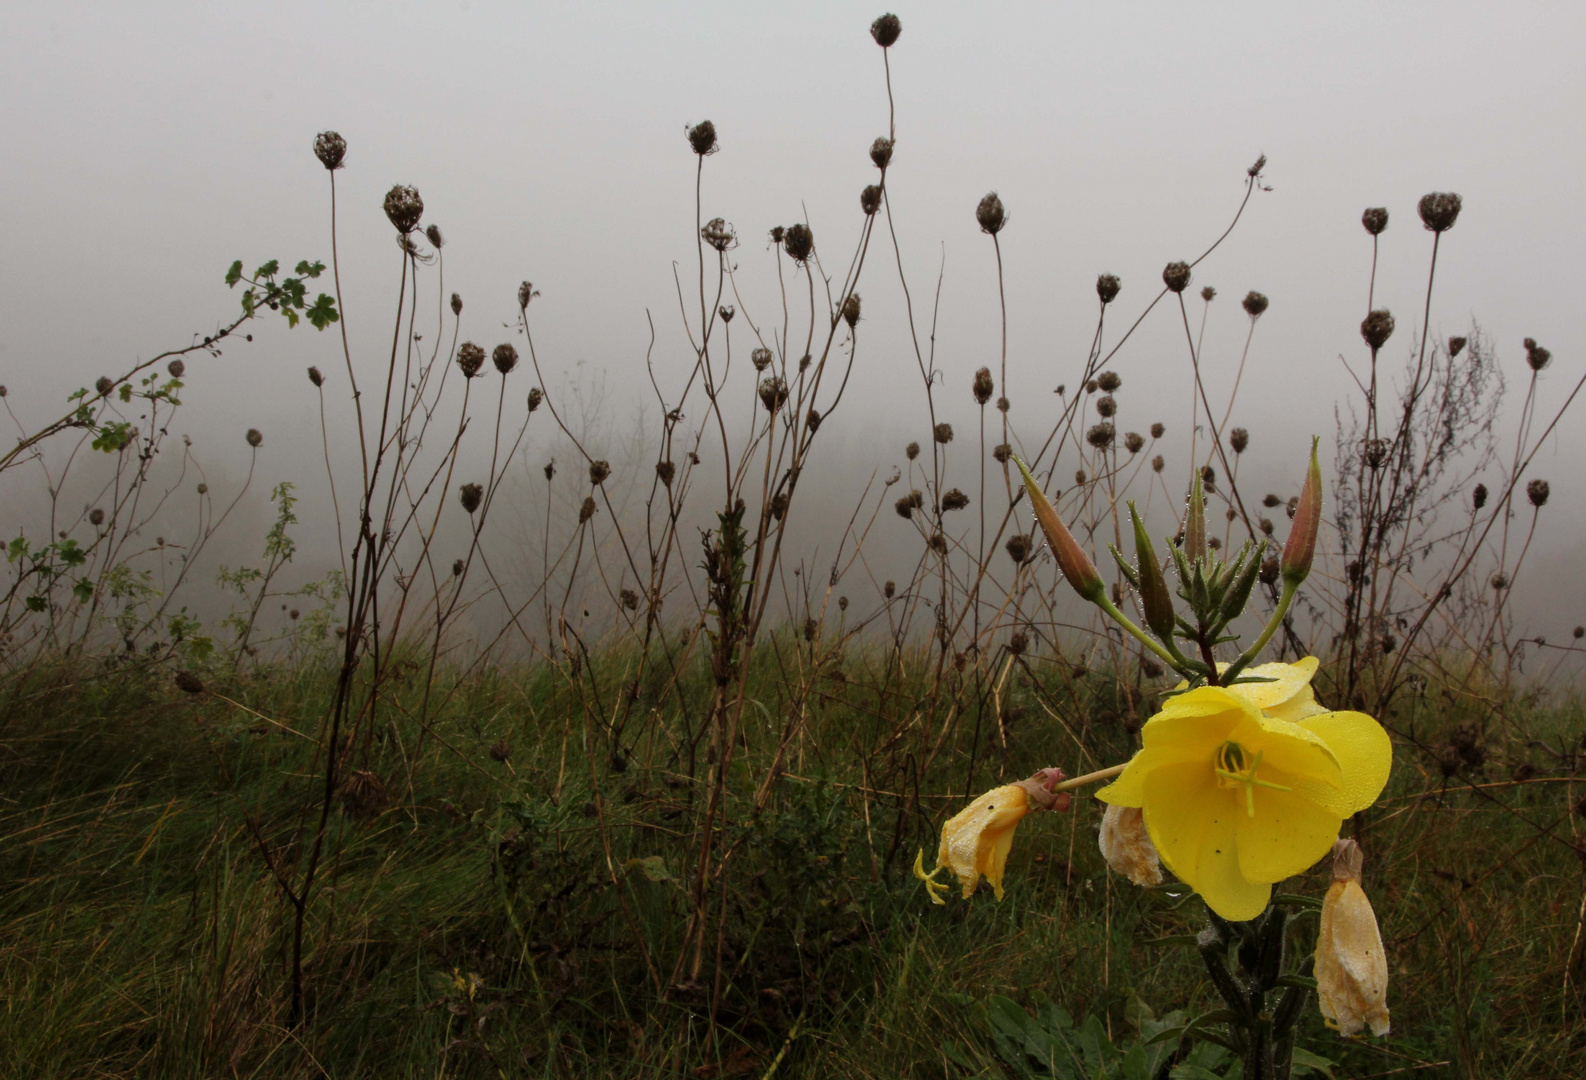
x,y
404,208
702,138
1351,964
1176,276
1377,328
1255,304
1107,286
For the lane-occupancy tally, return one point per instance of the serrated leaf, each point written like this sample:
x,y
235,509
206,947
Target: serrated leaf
x,y
268,269
234,274
323,312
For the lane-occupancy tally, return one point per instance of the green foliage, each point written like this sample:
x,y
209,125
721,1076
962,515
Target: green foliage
x,y
288,295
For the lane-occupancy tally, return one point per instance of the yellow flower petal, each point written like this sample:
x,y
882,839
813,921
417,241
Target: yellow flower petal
x,y
1363,751
1127,789
970,837
1290,681
1191,821
993,857
1288,835
1196,719
1351,966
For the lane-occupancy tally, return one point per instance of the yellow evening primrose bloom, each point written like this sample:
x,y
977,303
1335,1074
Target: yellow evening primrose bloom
x,y
1288,696
1235,799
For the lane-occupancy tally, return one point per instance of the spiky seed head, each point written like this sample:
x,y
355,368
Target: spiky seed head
x,y
943,433
881,152
1377,328
1134,442
1158,429
330,148
983,385
433,235
990,214
851,305
870,199
1456,345
1107,286
886,30
719,235
1106,405
760,358
1239,438
912,450
1176,276
1375,219
598,471
702,137
1536,357
1208,294
1255,304
403,208
1109,381
1538,491
1157,463
1101,435
1439,210
955,500
526,292
470,358
315,376
536,395
255,437
457,304
505,357
470,495
1020,546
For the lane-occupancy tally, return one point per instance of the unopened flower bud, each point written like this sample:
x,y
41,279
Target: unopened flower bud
x,y
536,395
1351,964
1107,286
457,304
1176,276
850,312
1377,328
990,214
1301,547
1127,846
1071,558
433,234
1375,219
1439,210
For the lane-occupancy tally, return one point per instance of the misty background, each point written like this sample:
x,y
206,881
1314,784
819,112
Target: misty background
x,y
150,145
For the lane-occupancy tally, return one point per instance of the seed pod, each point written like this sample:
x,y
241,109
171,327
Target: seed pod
x,y
881,152
104,384
760,358
96,516
889,589
1439,210
254,437
955,500
719,235
1537,491
886,30
470,495
1157,463
330,148
664,471
315,376
912,451
203,488
983,385
536,395
1478,496
870,199
1176,276
1377,328
1456,345
1375,219
1101,435
586,511
1109,381
470,358
773,393
1536,357
1001,452
1134,442
628,599
798,242
812,420
403,208
176,368
1002,404
1239,438
550,469
1255,304
1107,286
1158,430
943,433
457,304
1301,546
850,311
1374,452
726,311
505,357
702,137
1208,294
598,471
990,214
938,543
1019,547
779,505
526,292
433,235
458,566
1106,405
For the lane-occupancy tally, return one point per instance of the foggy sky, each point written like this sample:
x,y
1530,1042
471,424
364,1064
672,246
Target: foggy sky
x,y
149,145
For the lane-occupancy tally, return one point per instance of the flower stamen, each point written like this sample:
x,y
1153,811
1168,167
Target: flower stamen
x,y
1230,768
933,888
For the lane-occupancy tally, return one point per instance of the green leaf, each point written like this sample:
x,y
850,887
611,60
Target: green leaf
x,y
268,269
83,591
323,313
71,554
1305,1061
234,274
17,549
126,392
654,868
36,603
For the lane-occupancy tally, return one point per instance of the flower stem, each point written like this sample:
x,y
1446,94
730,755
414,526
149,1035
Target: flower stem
x,y
1106,605
1091,778
1249,655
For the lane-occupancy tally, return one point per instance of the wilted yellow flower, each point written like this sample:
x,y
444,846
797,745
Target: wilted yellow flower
x,y
1126,846
976,840
1235,800
1351,966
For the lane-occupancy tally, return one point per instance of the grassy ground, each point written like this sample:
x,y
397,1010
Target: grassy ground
x,y
523,917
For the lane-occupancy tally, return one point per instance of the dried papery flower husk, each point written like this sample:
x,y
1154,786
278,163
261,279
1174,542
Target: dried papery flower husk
x,y
665,471
526,292
1377,328
812,420
983,385
912,451
1020,547
760,358
1255,304
457,304
719,235
1106,405
330,148
1127,846
702,138
1101,435
870,199
104,384
798,242
1538,491
1157,463
96,516
1439,210
1158,429
470,358
255,437
1375,219
773,393
1351,964
536,395
1001,453
470,495
990,214
505,357
850,312
889,590
598,471
433,235
1478,496
779,505
586,511
1109,381
1456,345
315,376
1536,357
1374,452
881,152
943,433
727,311
1134,442
886,29
955,500
458,566
1176,276
1107,286
403,208
1239,438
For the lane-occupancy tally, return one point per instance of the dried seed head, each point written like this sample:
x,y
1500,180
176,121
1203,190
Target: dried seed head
x,y
1215,543
1536,356
1292,507
587,510
330,148
912,450
1377,328
536,395
812,420
1374,452
939,543
851,310
719,235
955,500
1149,667
1208,294
1109,381
870,199
526,292
1239,438
990,214
1134,442
470,358
886,30
664,471
1456,345
1106,405
254,437
804,362
628,599
842,603
1269,570
1265,525
203,488
1176,276
404,208
505,357
779,504
1231,513
1101,435
798,242
1079,476
1002,404
777,232
1375,219
1107,286
470,495
1578,633
891,587
1478,496
1001,453
702,137
1270,500
598,471
1255,170
1255,304
983,385
316,377
96,516
1538,491
189,683
1499,581
1158,429
3,391
457,304
550,469
773,393
433,234
943,433
760,358
1157,463
904,507
176,368
1091,385
1018,642
726,311
458,566
1208,475
1439,210
104,384
1020,547
881,152
500,750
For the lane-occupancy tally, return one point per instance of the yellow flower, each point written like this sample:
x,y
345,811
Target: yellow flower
x,y
1351,966
1235,800
1127,847
1287,697
976,840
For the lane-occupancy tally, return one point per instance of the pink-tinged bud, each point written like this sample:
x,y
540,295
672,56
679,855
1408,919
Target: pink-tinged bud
x,y
1071,558
1301,548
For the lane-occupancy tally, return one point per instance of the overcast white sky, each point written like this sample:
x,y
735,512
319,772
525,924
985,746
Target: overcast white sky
x,y
148,145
